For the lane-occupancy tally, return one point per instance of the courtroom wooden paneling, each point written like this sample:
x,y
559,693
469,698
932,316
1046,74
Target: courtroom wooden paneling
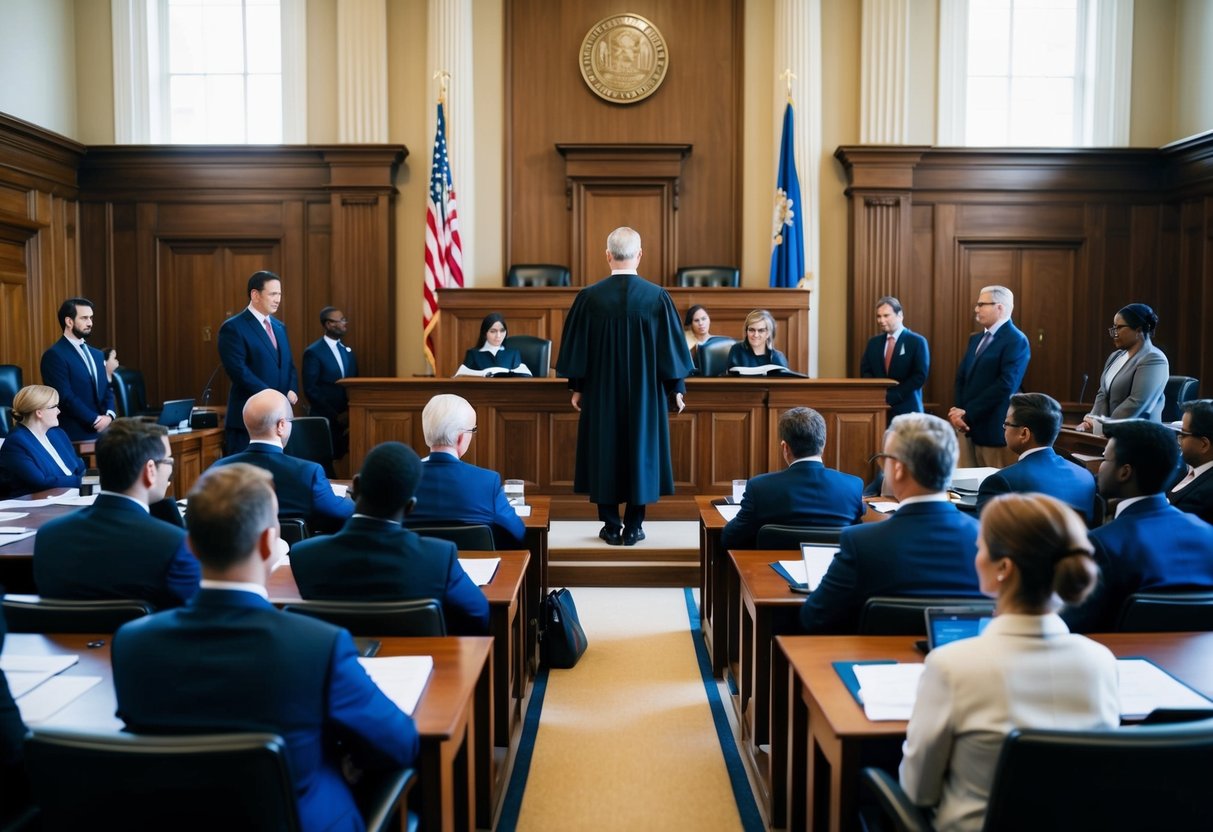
x,y
548,103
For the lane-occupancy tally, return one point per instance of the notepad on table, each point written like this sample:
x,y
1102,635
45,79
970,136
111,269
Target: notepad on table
x,y
24,673
728,512
480,570
1146,687
401,678
888,690
52,696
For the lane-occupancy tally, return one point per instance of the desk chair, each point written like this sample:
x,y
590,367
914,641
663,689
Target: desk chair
x,y
475,537
708,276
198,782
33,614
714,356
130,393
416,618
6,420
293,529
537,274
1176,391
1166,612
775,536
312,440
1145,777
534,352
10,383
906,615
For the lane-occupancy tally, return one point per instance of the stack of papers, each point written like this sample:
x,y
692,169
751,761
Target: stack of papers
x,y
888,690
39,690
401,678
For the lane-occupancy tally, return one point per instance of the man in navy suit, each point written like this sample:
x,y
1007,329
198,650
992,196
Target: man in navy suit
x,y
256,354
453,490
990,372
1032,424
326,361
77,371
926,548
115,548
374,558
806,493
1194,491
899,354
1151,546
230,662
303,489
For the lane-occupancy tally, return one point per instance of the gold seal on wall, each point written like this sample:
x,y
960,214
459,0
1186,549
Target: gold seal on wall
x,y
624,58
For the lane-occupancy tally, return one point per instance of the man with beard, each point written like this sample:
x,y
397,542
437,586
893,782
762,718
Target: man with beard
x,y
77,372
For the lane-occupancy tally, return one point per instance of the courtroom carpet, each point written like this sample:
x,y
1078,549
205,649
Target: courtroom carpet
x,y
629,739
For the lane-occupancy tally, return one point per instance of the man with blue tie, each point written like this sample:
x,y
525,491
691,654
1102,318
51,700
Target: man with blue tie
x,y
326,361
77,372
255,354
899,354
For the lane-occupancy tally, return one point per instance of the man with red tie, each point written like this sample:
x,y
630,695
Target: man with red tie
x,y
899,354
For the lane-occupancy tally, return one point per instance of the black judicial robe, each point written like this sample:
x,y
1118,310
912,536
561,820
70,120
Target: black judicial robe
x,y
624,350
478,359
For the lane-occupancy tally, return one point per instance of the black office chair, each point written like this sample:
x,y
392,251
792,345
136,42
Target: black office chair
x,y
293,529
467,537
198,782
416,618
535,352
714,356
10,383
906,615
130,393
1142,777
6,420
34,614
537,274
311,439
776,536
1178,389
708,276
1166,612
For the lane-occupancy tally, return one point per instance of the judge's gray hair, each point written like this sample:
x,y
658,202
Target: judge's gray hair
x,y
1000,294
623,244
444,418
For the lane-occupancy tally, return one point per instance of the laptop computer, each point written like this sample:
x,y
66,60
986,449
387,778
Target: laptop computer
x,y
175,412
948,624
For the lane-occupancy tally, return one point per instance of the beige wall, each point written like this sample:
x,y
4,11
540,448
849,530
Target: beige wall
x,y
322,71
94,73
759,144
38,63
1193,68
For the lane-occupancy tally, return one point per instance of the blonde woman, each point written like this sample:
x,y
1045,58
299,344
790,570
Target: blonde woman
x,y
758,348
37,453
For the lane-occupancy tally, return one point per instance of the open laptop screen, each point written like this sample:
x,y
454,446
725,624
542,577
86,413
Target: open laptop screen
x,y
948,624
175,412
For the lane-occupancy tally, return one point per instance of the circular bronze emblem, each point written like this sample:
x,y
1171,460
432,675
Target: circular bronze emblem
x,y
624,58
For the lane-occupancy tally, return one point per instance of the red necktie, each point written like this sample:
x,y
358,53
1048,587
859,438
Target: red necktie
x,y
888,351
269,330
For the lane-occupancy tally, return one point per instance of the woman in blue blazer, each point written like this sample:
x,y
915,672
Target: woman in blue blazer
x,y
37,454
489,352
758,348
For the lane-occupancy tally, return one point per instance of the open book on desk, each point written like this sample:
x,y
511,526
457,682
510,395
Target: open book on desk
x,y
520,371
769,370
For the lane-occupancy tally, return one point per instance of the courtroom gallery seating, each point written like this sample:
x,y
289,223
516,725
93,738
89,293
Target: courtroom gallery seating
x,y
537,274
467,537
33,614
415,618
713,276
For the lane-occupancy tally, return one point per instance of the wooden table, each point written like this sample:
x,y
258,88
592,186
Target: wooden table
x,y
193,452
453,717
821,737
17,558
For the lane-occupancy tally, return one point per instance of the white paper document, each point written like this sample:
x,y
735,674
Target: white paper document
x,y
885,506
73,499
1144,687
480,570
24,673
760,370
728,512
888,690
10,516
340,489
52,696
6,538
970,479
522,511
464,370
401,678
24,504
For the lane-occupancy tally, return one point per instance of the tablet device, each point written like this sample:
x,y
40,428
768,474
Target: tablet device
x,y
175,412
948,624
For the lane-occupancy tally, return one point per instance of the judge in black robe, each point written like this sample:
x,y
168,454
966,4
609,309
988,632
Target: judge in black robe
x,y
625,356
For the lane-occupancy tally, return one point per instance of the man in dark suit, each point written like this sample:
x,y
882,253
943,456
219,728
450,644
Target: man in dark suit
x,y
1194,491
302,488
77,371
806,493
453,490
256,354
899,354
990,372
326,361
926,548
230,662
1151,546
374,558
1032,424
115,548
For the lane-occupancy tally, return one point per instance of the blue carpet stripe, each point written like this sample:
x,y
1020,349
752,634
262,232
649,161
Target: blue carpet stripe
x,y
751,820
512,804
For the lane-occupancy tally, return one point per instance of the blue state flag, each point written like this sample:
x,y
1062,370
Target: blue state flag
x,y
787,227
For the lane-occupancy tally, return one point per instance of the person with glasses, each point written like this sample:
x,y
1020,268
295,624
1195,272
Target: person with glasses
x,y
990,372
1135,374
452,490
1031,426
1193,492
326,361
115,548
758,348
37,454
77,371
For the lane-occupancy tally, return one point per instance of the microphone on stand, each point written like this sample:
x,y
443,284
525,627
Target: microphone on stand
x,y
1083,390
204,418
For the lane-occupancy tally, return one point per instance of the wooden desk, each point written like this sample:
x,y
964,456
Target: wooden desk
x,y
453,717
193,452
823,734
1070,442
17,558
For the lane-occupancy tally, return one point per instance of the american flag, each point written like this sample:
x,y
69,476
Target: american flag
x,y
443,249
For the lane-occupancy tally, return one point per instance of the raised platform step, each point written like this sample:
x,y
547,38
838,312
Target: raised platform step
x,y
668,556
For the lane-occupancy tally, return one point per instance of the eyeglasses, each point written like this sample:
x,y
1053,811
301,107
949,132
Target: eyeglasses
x,y
168,460
756,331
469,430
1184,433
1115,328
982,303
1006,425
336,321
883,456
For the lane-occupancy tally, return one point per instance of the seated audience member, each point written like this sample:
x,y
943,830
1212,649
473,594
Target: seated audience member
x,y
1032,424
1026,670
758,348
1151,546
926,548
1194,491
806,493
115,548
452,490
230,662
303,489
489,352
698,328
14,788
37,454
374,558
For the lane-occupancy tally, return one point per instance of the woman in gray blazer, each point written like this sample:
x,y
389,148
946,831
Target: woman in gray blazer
x,y
1026,670
1135,374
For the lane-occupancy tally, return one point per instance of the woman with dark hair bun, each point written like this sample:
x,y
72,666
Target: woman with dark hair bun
x,y
1025,670
1135,374
490,351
